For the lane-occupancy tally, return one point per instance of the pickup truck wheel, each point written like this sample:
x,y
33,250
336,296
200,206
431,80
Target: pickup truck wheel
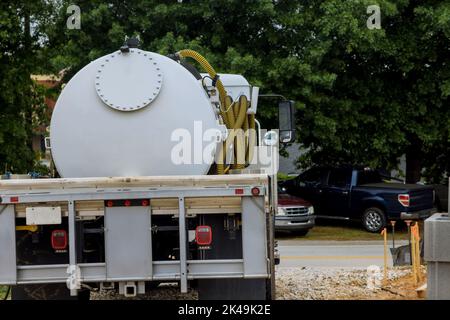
x,y
374,219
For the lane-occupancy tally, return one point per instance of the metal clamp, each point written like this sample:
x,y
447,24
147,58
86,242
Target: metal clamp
x,y
47,143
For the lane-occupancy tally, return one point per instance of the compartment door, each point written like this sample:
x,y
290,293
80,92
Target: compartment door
x,y
128,243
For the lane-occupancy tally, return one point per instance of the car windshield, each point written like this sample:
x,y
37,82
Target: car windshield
x,y
369,176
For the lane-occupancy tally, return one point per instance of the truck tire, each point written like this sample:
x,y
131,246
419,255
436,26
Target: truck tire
x,y
46,292
233,289
374,219
270,283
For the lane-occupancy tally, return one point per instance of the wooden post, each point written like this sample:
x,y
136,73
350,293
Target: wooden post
x,y
393,233
416,234
385,278
408,223
413,256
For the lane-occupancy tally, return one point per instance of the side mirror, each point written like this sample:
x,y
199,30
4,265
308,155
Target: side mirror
x,y
286,120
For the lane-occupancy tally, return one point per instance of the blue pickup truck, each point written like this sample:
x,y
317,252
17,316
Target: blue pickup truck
x,y
361,194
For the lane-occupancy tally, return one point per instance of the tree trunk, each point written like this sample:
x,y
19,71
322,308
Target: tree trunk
x,y
414,162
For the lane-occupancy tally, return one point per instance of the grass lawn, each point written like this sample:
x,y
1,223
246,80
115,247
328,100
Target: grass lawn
x,y
349,233
345,231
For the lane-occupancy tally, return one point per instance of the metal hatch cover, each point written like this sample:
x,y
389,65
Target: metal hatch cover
x,y
128,81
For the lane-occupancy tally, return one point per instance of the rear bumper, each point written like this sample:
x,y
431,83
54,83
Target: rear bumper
x,y
416,215
287,223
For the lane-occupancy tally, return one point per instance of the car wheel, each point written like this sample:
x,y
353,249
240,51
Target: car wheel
x,y
374,219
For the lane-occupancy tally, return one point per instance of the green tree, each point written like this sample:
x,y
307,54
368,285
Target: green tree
x,y
363,96
21,100
370,96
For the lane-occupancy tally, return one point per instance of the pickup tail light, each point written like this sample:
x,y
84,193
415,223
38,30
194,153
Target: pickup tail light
x,y
255,191
59,239
203,235
404,199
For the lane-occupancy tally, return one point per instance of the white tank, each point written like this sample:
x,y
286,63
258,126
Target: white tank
x,y
129,114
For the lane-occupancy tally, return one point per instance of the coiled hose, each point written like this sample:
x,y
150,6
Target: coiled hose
x,y
234,115
7,293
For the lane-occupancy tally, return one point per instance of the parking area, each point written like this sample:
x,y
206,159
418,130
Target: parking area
x,y
332,254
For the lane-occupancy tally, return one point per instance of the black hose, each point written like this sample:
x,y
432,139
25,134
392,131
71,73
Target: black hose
x,y
7,293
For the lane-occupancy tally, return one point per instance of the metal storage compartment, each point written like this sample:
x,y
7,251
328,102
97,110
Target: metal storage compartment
x,y
437,255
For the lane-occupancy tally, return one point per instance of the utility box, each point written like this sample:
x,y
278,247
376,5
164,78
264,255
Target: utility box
x,y
437,255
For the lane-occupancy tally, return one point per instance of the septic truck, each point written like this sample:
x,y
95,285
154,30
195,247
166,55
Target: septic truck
x,y
163,176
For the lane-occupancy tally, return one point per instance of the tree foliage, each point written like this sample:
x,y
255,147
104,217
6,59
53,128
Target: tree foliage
x,y
363,95
21,100
370,95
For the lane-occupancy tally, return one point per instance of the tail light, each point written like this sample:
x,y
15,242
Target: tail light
x,y
127,203
203,235
404,199
59,239
255,191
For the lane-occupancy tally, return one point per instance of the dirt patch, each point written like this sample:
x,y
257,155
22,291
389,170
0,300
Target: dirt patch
x,y
403,288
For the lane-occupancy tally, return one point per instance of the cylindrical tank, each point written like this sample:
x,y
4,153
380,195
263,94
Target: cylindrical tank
x,y
133,113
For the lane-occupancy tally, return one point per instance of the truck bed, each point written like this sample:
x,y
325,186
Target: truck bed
x,y
181,197
10,186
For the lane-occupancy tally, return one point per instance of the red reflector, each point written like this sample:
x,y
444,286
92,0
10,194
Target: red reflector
x,y
14,199
404,199
109,203
255,191
145,203
59,239
127,203
203,235
238,191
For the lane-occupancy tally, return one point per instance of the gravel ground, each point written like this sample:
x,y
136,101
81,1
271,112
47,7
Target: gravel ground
x,y
297,284
164,291
329,284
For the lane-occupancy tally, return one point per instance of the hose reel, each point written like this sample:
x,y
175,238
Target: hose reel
x,y
235,117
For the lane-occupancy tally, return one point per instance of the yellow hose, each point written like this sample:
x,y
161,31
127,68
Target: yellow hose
x,y
234,115
251,138
187,53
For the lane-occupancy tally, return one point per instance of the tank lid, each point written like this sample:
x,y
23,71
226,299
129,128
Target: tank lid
x,y
128,81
